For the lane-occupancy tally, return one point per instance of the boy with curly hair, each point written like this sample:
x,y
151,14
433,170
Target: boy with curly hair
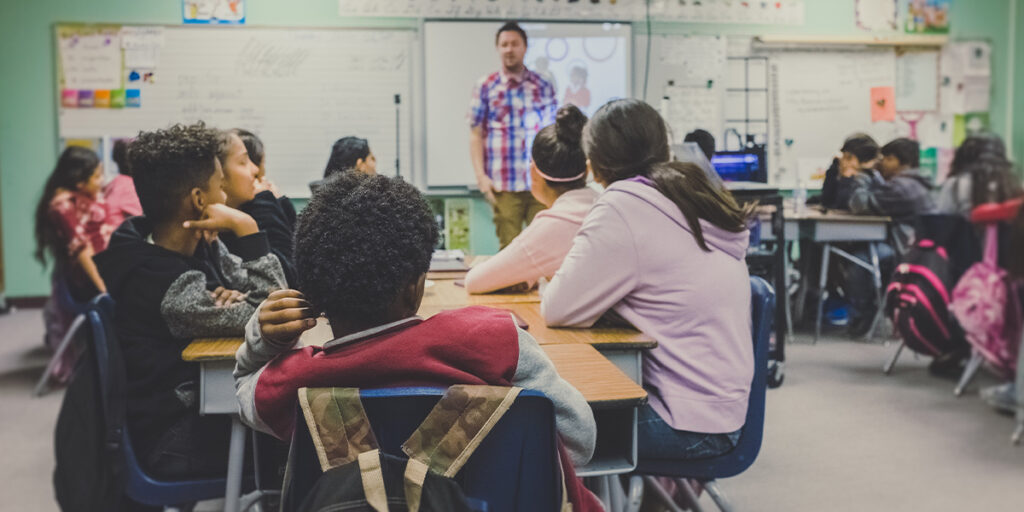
x,y
362,250
173,281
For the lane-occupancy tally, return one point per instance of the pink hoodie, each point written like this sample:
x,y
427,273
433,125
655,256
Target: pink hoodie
x,y
539,250
636,254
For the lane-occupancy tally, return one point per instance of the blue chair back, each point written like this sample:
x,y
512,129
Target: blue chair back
x,y
139,486
64,297
515,468
762,310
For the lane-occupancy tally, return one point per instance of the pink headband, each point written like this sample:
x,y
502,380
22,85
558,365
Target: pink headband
x,y
561,180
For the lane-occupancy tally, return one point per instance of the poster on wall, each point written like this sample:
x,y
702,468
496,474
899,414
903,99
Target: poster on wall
x,y
213,12
928,16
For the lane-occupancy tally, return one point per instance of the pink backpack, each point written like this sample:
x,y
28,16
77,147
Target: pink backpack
x,y
986,305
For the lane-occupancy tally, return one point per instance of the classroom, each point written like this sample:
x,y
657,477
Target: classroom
x,y
512,255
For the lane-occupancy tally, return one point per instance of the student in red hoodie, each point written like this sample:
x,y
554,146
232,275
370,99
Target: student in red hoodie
x,y
362,250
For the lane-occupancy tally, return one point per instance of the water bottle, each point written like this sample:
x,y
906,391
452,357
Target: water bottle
x,y
800,197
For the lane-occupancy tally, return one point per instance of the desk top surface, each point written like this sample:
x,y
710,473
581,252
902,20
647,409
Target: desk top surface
x,y
814,214
603,338
600,381
445,294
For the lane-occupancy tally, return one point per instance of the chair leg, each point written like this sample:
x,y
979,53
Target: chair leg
x,y
969,372
664,496
636,494
618,495
876,276
719,497
43,386
826,252
896,355
691,494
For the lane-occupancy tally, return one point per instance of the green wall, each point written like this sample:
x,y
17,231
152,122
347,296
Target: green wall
x,y
28,131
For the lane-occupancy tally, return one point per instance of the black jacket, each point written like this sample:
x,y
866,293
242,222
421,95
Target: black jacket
x,y
163,302
275,217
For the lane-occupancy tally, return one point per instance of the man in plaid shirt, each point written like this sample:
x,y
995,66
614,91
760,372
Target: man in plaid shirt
x,y
508,108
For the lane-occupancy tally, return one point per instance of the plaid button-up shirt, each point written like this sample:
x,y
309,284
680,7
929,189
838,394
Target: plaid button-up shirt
x,y
511,110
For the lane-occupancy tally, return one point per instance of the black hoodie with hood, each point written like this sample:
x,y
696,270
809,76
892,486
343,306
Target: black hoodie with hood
x,y
163,301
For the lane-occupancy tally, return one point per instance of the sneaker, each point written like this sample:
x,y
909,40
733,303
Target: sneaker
x,y
1002,398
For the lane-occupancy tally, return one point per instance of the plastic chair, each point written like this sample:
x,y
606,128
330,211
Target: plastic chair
x,y
707,471
65,302
140,487
515,468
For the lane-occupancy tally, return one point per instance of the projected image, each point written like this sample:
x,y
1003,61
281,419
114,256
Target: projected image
x,y
588,66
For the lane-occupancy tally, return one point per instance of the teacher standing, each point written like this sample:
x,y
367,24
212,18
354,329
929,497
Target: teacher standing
x,y
507,110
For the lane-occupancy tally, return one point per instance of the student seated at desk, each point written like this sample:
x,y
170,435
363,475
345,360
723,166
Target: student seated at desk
x,y
559,180
859,154
980,173
348,154
241,156
362,250
897,189
665,250
172,281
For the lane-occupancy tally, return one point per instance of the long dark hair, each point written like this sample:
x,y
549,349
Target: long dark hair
x,y
983,158
75,166
628,138
345,152
558,151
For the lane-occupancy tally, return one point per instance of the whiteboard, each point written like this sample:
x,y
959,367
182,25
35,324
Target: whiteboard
x,y
818,100
457,54
298,89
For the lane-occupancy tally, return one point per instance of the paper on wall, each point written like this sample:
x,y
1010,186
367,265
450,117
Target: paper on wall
x,y
91,61
688,108
695,61
966,82
142,46
917,82
876,15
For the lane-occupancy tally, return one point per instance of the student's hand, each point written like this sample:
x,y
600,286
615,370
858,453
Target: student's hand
x,y
263,184
221,217
486,186
225,297
284,316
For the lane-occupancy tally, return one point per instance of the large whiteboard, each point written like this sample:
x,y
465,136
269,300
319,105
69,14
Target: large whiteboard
x,y
298,89
819,99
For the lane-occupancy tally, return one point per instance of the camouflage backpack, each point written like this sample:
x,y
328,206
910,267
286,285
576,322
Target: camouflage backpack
x,y
358,477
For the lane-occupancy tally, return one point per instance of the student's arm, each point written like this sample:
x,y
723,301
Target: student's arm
x,y
522,261
190,310
254,269
266,210
89,266
286,315
862,195
599,271
829,189
573,416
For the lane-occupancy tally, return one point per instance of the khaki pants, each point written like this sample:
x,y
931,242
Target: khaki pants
x,y
511,211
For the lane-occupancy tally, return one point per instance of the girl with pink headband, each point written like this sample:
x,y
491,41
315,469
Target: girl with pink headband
x,y
558,175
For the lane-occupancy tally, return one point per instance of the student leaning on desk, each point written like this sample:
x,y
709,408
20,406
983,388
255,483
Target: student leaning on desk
x,y
172,282
363,248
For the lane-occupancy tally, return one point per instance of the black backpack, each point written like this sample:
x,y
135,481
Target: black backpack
x,y
87,440
917,300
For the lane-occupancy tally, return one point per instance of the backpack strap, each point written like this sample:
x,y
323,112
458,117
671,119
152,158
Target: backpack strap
x,y
338,425
373,481
992,244
457,425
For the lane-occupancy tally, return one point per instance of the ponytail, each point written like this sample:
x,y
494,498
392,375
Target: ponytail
x,y
686,185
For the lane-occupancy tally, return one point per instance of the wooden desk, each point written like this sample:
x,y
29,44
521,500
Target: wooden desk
x,y
613,396
444,293
622,346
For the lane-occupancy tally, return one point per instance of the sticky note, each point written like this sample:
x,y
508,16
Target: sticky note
x,y
117,98
69,98
132,98
101,99
883,104
85,99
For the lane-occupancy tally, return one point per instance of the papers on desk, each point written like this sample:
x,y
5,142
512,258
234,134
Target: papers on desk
x,y
448,261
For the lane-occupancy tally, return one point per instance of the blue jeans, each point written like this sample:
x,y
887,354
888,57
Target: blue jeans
x,y
658,440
